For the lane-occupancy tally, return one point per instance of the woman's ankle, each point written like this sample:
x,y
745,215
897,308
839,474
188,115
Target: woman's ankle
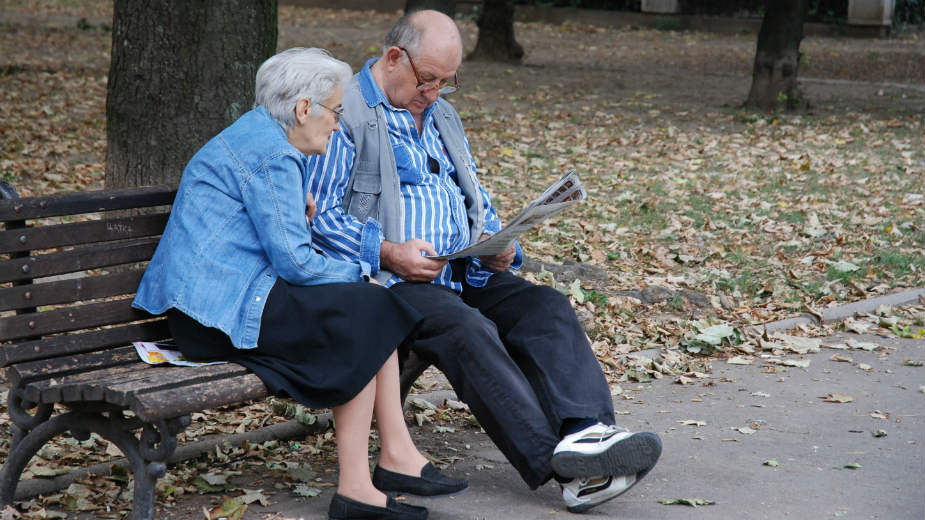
x,y
365,494
404,463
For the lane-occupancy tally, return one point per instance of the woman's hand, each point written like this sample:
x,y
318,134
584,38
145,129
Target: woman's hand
x,y
310,207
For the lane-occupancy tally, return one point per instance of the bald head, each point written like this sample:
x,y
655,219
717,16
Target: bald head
x,y
422,53
428,29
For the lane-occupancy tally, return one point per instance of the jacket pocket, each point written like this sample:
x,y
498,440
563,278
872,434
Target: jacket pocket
x,y
364,197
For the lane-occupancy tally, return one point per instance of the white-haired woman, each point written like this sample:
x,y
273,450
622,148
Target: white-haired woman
x,y
236,273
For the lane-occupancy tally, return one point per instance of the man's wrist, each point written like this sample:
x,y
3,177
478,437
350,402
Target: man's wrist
x,y
385,254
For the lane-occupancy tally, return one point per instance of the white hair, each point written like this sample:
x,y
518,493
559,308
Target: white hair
x,y
294,74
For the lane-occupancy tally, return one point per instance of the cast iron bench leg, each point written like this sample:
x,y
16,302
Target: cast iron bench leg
x,y
147,456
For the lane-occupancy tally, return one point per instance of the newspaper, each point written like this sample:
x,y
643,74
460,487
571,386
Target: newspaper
x,y
158,353
559,196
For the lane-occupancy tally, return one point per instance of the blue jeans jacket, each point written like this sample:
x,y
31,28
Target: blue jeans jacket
x,y
237,224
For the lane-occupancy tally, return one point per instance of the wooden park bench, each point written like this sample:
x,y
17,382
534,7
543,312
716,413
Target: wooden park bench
x,y
66,327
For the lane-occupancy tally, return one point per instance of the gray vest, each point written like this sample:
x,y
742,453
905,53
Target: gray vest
x,y
374,187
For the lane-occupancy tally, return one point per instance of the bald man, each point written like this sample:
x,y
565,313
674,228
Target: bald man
x,y
398,184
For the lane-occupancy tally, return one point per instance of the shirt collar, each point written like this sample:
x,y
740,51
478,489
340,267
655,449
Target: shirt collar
x,y
373,94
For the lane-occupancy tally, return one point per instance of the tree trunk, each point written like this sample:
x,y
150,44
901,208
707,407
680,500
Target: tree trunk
x,y
496,33
777,58
180,72
447,7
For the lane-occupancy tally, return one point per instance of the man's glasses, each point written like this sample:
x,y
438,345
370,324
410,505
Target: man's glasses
x,y
441,86
338,114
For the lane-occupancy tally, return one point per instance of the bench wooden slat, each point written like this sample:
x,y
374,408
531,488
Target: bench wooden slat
x,y
165,378
38,266
186,400
54,387
84,202
51,236
23,373
71,290
75,344
70,318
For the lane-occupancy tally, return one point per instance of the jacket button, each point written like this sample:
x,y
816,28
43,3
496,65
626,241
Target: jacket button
x,y
258,298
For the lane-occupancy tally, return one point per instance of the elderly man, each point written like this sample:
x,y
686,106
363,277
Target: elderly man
x,y
398,184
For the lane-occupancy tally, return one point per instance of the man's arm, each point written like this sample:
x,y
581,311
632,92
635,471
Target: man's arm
x,y
335,232
342,236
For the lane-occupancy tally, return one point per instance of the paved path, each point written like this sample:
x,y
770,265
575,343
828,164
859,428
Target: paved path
x,y
811,439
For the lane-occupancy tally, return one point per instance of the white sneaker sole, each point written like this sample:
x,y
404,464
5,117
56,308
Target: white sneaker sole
x,y
634,454
581,508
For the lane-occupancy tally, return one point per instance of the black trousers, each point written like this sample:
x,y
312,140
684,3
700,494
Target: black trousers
x,y
517,355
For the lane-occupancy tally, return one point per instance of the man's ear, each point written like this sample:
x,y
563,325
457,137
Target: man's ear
x,y
393,57
303,110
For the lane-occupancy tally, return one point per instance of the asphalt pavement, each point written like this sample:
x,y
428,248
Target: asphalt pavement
x,y
861,459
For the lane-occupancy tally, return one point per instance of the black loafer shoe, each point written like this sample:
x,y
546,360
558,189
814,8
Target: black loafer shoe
x,y
431,483
343,508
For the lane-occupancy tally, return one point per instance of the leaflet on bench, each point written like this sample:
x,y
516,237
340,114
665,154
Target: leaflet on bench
x,y
159,353
558,197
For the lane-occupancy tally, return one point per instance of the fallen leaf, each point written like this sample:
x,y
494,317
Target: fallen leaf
x,y
837,398
771,462
423,404
745,430
843,359
739,360
879,433
232,509
693,502
853,465
301,490
862,345
689,422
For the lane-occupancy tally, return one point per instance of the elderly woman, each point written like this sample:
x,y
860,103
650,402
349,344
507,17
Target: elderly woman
x,y
236,273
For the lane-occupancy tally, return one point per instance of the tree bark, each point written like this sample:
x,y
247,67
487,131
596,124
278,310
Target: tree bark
x,y
777,57
496,33
180,72
447,7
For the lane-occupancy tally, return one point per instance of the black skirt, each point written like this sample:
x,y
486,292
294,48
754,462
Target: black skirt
x,y
320,345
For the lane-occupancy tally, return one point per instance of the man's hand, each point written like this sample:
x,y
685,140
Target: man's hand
x,y
310,207
499,262
406,261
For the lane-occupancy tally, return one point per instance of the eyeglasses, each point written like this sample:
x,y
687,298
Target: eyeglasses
x,y
441,86
338,114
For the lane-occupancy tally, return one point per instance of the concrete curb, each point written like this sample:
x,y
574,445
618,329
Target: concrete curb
x,y
839,313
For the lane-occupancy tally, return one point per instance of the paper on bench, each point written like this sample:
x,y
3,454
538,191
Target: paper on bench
x,y
156,354
557,197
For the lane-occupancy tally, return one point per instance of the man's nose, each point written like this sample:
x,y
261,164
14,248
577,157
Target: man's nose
x,y
431,95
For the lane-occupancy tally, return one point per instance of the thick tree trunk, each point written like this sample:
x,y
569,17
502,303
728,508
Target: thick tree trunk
x,y
496,33
180,72
777,58
447,7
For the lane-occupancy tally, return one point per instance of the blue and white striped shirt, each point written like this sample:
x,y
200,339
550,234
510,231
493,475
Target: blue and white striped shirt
x,y
434,207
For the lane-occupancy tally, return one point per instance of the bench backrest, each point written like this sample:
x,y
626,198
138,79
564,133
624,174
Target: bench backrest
x,y
69,267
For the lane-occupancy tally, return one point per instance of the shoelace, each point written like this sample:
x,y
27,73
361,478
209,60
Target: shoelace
x,y
610,430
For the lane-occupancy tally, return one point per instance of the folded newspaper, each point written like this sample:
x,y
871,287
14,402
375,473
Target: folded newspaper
x,y
559,196
158,353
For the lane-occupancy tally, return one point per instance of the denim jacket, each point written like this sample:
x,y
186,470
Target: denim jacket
x,y
237,224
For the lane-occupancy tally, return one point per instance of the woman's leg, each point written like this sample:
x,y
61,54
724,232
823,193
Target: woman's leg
x,y
353,422
398,451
